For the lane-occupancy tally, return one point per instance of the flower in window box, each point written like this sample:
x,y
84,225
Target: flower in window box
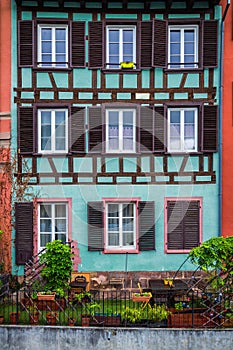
x,y
127,65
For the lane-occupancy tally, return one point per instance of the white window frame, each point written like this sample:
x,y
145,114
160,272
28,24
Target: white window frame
x,y
182,148
53,233
182,30
120,138
120,28
53,139
121,247
39,51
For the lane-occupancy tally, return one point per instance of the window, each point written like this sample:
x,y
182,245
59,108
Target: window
x,y
182,129
120,130
53,131
53,223
183,47
120,226
121,45
182,224
53,46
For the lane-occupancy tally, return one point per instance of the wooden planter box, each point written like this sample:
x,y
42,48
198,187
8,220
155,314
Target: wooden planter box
x,y
41,296
105,320
189,319
54,305
141,298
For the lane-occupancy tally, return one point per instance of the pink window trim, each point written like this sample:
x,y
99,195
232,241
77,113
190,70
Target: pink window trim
x,y
121,251
167,199
51,200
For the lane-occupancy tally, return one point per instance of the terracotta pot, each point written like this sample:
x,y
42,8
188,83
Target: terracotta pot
x,y
71,322
1,319
85,321
13,317
46,296
51,318
34,318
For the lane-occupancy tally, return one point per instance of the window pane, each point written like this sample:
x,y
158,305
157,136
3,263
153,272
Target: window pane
x,y
60,210
44,239
175,36
46,47
113,210
128,35
46,59
46,34
128,238
128,210
189,36
128,225
45,211
61,236
45,225
113,224
175,117
175,49
61,34
128,50
60,225
189,49
114,36
60,47
46,131
113,239
114,49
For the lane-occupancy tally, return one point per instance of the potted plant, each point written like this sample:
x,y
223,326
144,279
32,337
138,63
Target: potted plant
x,y
127,65
33,315
14,317
57,266
51,318
132,315
1,319
71,321
158,315
142,297
89,313
48,295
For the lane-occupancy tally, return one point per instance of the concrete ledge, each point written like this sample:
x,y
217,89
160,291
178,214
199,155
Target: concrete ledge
x,y
78,338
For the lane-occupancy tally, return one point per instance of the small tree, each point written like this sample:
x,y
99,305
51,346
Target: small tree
x,y
57,266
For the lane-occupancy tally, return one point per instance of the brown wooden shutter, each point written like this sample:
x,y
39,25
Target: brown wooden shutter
x,y
191,224
25,43
146,44
159,51
95,45
146,226
159,129
95,226
78,134
146,130
210,128
183,225
210,44
25,130
24,232
78,44
95,133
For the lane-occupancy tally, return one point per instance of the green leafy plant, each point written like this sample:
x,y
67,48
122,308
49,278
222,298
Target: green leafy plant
x,y
178,306
57,266
158,313
132,314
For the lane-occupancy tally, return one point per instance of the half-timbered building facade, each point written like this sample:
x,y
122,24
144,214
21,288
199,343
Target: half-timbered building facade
x,y
116,114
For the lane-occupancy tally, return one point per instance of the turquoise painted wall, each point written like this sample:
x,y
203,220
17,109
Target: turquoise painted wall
x,y
81,194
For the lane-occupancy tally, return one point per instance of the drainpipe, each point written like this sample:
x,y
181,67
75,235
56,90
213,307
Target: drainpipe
x,y
220,118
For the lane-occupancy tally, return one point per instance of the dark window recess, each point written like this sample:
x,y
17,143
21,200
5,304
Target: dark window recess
x,y
95,132
183,225
159,43
145,45
78,44
25,43
210,44
25,130
95,45
210,128
95,226
28,45
146,226
77,125
24,232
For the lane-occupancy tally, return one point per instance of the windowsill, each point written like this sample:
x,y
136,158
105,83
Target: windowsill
x,y
178,251
121,71
52,69
181,153
121,251
182,70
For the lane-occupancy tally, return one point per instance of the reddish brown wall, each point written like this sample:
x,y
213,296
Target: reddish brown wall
x,y
5,107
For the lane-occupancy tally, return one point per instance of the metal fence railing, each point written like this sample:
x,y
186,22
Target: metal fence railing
x,y
117,309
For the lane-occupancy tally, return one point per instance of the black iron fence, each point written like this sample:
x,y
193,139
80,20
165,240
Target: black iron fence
x,y
119,308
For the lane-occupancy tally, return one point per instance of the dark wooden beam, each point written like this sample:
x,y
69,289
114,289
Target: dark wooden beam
x,y
146,5
168,4
61,3
189,4
82,4
124,4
